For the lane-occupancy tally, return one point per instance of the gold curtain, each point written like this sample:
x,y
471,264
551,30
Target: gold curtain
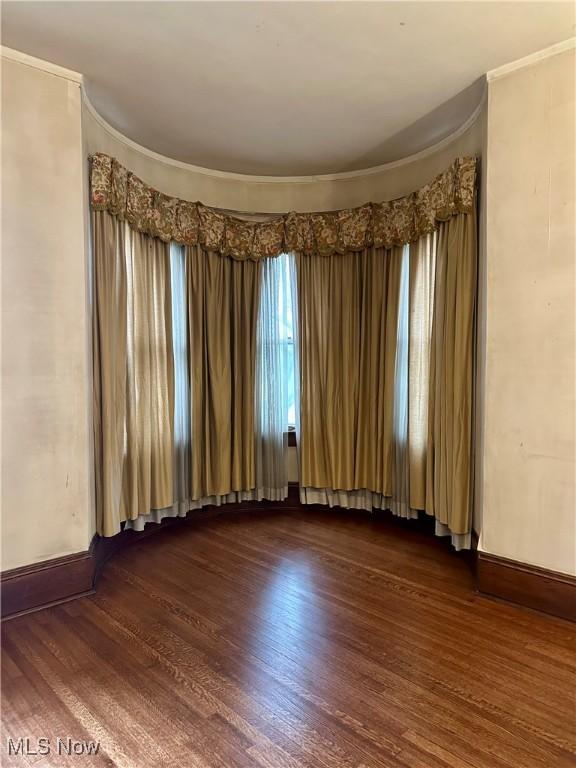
x,y
223,297
109,368
386,382
450,404
133,373
150,386
348,306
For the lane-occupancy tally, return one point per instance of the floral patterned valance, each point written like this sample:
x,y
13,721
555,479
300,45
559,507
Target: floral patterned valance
x,y
117,190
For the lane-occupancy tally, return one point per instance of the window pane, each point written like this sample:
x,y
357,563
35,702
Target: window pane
x,y
275,344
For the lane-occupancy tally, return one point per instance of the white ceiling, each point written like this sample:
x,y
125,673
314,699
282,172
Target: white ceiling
x,y
284,88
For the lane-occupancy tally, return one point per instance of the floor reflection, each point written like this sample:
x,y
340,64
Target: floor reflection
x,y
286,630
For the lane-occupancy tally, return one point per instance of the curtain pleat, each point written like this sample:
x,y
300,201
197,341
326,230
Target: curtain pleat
x,y
109,367
450,404
273,369
133,373
386,356
421,306
148,450
223,297
348,307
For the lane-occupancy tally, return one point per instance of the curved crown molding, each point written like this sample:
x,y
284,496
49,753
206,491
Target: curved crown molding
x,y
68,74
247,178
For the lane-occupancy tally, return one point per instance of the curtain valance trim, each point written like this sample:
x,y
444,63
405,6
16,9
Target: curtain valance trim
x,y
395,222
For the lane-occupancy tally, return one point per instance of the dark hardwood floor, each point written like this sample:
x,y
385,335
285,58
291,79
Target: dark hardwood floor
x,y
278,640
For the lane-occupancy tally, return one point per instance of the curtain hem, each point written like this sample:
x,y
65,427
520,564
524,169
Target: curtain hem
x,y
356,499
369,500
181,508
458,540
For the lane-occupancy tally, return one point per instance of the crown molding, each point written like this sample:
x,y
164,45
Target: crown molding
x,y
247,178
533,58
45,66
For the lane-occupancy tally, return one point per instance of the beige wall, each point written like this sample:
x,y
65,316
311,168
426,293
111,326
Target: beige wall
x,y
528,448
247,194
480,383
46,475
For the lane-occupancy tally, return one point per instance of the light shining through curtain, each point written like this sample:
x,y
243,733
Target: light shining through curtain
x,y
275,406
287,341
400,502
182,436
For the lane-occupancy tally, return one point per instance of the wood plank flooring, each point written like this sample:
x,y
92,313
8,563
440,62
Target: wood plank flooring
x,y
288,639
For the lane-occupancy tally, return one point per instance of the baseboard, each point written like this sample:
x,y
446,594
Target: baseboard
x,y
527,585
50,582
37,586
475,540
293,499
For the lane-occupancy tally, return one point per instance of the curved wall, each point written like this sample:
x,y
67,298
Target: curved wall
x,y
278,194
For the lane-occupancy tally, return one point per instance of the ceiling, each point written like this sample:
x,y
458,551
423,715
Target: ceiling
x,y
284,88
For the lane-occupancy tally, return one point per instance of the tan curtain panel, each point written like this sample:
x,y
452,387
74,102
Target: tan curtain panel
x,y
450,402
175,396
133,373
110,367
386,375
227,444
150,386
348,308
223,311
